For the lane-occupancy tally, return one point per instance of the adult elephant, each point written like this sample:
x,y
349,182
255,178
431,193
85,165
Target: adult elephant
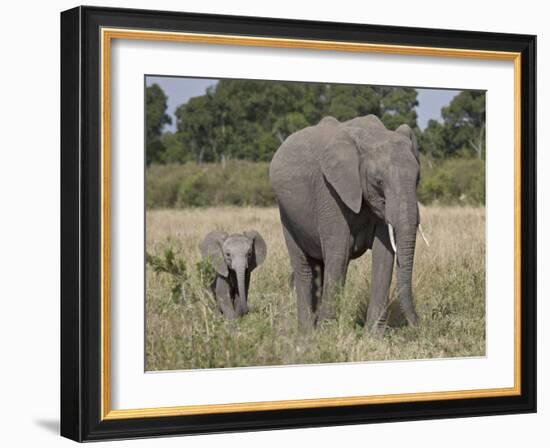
x,y
343,188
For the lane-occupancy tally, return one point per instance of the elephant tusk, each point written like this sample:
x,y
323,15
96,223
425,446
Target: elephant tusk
x,y
392,238
423,236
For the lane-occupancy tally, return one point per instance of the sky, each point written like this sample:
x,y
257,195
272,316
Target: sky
x,y
179,90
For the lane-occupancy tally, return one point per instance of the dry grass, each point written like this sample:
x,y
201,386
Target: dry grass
x,y
448,284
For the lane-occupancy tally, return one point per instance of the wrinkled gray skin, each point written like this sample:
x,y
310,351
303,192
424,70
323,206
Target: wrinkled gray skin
x,y
234,257
338,185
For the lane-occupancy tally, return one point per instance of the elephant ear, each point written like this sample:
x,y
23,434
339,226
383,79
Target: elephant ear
x,y
211,248
260,249
406,131
340,166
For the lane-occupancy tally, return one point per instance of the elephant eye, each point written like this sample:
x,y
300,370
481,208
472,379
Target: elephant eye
x,y
379,182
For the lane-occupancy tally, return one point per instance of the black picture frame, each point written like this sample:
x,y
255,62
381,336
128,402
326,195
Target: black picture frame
x,y
81,224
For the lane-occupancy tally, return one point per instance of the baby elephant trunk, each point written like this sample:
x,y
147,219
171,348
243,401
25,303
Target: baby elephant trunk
x,y
241,305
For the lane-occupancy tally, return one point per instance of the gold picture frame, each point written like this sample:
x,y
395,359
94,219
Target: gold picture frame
x,y
119,28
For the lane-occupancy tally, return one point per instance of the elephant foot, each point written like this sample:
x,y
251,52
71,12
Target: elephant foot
x,y
376,328
239,312
326,312
412,320
377,331
306,328
229,315
409,312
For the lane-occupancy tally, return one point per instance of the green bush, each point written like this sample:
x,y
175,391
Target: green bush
x,y
453,181
206,272
244,183
175,267
238,183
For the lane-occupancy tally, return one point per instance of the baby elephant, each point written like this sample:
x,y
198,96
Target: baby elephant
x,y
234,257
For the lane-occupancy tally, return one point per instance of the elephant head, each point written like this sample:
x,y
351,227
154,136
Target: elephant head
x,y
235,255
367,164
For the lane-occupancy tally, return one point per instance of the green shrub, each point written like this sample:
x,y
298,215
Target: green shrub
x,y
175,267
238,183
206,272
453,181
244,183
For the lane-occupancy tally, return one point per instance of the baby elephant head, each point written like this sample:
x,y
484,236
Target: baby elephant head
x,y
234,257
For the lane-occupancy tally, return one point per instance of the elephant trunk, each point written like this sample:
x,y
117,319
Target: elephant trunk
x,y
242,304
406,229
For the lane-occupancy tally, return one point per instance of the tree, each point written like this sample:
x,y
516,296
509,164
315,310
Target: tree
x,y
397,106
462,132
465,116
345,102
249,119
196,124
433,141
155,119
174,151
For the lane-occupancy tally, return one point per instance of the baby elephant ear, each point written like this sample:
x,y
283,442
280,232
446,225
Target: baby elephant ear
x,y
406,131
340,166
260,249
211,248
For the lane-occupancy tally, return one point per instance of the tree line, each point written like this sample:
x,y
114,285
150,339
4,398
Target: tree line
x,y
249,119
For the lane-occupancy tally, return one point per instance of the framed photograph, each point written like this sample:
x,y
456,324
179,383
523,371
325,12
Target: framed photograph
x,y
272,223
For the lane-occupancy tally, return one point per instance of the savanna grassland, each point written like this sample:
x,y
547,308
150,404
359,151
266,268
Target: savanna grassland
x,y
184,329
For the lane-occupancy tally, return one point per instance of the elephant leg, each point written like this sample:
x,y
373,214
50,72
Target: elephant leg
x,y
222,291
303,279
334,276
382,270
